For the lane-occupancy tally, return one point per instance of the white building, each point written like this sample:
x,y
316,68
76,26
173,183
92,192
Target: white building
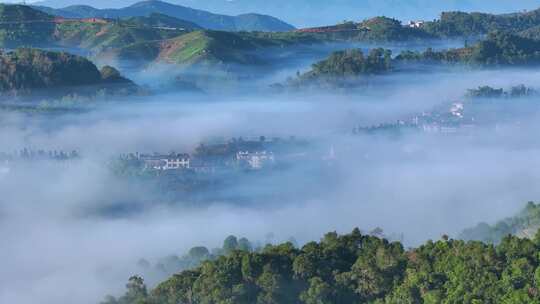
x,y
457,109
415,23
255,160
166,162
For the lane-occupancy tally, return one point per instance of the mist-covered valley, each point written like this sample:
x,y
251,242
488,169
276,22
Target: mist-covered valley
x,y
211,162
79,223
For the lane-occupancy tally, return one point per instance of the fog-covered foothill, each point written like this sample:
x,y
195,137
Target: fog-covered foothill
x,y
498,48
32,71
342,68
523,224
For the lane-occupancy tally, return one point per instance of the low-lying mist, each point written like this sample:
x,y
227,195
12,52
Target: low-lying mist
x,y
270,65
75,230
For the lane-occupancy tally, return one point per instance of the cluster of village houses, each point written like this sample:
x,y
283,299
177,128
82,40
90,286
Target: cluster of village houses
x,y
247,154
254,160
448,121
8,159
30,154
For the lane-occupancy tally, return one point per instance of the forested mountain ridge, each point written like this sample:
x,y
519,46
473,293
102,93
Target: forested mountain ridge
x,y
381,29
461,24
523,224
348,68
498,48
244,22
160,20
449,25
165,38
357,268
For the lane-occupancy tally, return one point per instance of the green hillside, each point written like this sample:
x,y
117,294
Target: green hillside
x,y
24,26
111,35
211,47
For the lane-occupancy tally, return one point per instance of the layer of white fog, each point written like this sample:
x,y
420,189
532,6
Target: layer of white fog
x,y
57,249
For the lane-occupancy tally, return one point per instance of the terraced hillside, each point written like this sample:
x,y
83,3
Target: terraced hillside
x,y
24,26
113,34
210,47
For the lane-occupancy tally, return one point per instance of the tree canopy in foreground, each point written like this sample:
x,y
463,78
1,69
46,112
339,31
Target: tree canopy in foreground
x,y
358,268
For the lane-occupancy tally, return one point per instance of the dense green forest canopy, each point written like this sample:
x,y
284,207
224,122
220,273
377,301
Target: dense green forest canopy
x,y
344,66
532,33
353,62
172,264
357,268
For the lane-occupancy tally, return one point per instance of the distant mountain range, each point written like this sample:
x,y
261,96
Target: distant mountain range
x,y
303,13
157,20
244,22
